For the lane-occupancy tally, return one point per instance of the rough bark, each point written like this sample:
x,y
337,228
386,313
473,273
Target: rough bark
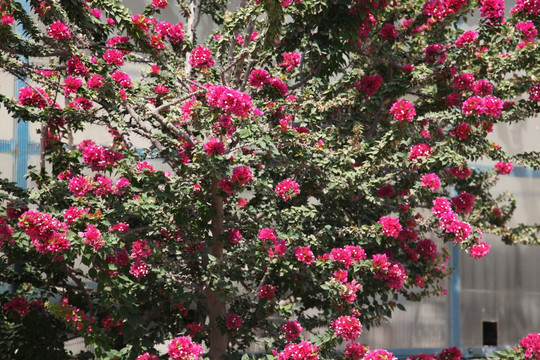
x,y
216,308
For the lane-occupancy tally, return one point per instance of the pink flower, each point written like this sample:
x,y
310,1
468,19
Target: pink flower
x,y
229,100
92,235
463,203
527,6
112,42
395,276
183,348
528,29
95,81
463,81
435,53
347,327
290,60
142,22
451,224
493,106
19,305
213,146
34,96
453,353
301,351
201,58
389,32
503,168
162,4
492,9
176,33
280,248
140,249
147,356
356,252
242,203
427,249
419,151
304,254
75,66
72,85
287,189
259,77
390,226
356,351
279,85
380,354
113,56
226,185
348,292
233,321
482,87
403,110
102,185
369,84
194,328
385,191
441,206
380,262
454,99
292,330
161,89
431,181
267,292
8,19
80,185
96,13
479,250
267,234
241,175
462,131
123,79
531,345
139,269
58,30
144,167
234,235
473,104
342,255
466,38
340,275
407,68
121,227
461,172
534,92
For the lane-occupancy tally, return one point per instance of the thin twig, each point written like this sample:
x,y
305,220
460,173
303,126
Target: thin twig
x,y
374,124
184,283
145,128
169,126
230,66
247,41
158,109
70,273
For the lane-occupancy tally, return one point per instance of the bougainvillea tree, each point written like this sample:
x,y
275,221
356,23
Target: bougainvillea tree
x,y
313,155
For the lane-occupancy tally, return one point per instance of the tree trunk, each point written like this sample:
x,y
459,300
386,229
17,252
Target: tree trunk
x,y
216,308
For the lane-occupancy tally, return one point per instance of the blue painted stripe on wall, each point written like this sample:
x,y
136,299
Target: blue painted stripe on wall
x,y
7,146
455,311
22,136
519,171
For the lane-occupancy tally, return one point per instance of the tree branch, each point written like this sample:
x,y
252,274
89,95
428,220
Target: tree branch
x,y
178,132
145,128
